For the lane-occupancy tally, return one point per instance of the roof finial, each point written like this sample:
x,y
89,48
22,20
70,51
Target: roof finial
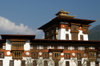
x,y
62,9
18,33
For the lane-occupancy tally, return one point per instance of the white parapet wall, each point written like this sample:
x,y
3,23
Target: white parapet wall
x,y
8,44
27,45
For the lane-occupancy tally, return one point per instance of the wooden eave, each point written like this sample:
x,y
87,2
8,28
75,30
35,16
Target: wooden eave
x,y
5,36
64,42
64,19
2,41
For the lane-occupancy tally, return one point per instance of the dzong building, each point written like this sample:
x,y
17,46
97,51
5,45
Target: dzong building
x,y
65,43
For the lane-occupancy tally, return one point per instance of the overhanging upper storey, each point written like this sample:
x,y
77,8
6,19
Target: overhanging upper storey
x,y
57,20
65,26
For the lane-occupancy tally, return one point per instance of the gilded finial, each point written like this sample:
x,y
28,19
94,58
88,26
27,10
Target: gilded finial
x,y
18,33
62,9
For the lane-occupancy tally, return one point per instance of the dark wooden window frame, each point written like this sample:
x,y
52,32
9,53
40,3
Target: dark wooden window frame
x,y
45,55
67,55
1,54
11,63
34,55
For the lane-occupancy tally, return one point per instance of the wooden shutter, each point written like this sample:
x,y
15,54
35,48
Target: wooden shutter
x,y
67,56
11,63
45,55
1,54
81,37
67,63
1,63
34,63
66,28
45,63
67,36
23,63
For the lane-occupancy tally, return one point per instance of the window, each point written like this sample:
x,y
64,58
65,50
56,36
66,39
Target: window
x,y
74,36
67,63
81,37
79,56
45,63
1,63
1,54
67,55
85,29
34,55
67,36
66,28
56,55
92,55
34,63
79,63
11,63
45,55
17,54
23,63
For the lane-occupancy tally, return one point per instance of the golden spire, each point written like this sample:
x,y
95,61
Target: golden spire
x,y
63,14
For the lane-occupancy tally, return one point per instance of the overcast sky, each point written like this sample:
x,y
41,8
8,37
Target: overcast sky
x,y
25,16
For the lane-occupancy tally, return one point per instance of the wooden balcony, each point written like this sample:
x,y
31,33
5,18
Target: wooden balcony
x,y
17,47
17,54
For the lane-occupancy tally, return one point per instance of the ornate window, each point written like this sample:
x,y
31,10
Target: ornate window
x,y
56,55
17,54
45,55
66,28
79,63
17,46
34,55
45,63
1,63
67,63
79,56
74,28
81,37
85,30
67,55
92,56
23,63
34,63
67,36
1,54
74,36
11,63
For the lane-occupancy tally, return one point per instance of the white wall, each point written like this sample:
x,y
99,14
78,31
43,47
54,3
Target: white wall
x,y
62,34
8,44
27,45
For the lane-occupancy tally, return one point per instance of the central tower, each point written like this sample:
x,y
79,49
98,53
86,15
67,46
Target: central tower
x,y
66,27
